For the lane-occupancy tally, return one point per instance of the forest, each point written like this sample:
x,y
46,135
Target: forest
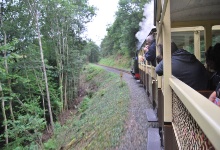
x,y
42,53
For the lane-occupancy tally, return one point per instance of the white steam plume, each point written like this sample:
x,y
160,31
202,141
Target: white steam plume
x,y
146,24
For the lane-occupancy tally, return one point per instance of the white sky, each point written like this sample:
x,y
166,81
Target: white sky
x,y
105,15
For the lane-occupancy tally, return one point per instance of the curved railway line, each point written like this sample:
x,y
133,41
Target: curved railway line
x,y
122,70
141,128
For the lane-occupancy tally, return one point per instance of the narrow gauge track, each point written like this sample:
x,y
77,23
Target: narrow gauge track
x,y
122,70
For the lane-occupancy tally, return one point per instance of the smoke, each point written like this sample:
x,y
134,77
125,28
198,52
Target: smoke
x,y
146,24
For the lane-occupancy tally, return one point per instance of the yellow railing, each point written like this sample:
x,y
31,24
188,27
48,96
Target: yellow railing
x,y
204,112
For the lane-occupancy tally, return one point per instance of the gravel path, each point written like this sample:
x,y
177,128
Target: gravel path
x,y
135,136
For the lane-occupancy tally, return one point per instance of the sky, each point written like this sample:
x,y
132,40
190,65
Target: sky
x,y
96,30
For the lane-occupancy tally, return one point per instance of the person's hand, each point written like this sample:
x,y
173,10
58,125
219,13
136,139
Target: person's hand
x,y
141,59
218,103
146,48
212,96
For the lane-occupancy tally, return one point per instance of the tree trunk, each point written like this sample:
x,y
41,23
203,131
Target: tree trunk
x,y
59,62
1,91
9,80
45,73
4,115
68,74
39,83
65,73
65,93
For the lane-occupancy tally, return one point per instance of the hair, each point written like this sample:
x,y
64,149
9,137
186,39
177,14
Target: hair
x,y
160,56
209,58
213,57
173,47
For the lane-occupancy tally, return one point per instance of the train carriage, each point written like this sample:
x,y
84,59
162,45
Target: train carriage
x,y
187,119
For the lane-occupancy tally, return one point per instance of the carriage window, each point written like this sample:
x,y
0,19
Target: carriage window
x,y
190,39
184,40
215,34
202,46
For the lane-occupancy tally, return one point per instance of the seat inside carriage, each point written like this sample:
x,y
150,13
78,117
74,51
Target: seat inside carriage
x,y
187,119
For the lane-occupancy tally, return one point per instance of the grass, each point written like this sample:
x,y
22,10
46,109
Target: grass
x,y
99,123
119,61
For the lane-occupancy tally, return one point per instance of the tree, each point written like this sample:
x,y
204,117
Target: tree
x,y
92,52
43,64
65,25
120,38
34,11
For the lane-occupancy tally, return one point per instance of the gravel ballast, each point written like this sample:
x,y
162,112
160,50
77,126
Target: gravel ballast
x,y
136,127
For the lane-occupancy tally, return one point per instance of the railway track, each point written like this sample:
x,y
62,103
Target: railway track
x,y
122,70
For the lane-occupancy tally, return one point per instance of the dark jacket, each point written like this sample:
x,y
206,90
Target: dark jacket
x,y
188,69
151,53
214,80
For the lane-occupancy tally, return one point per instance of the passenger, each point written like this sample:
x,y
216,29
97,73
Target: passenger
x,y
213,64
145,49
186,68
150,54
142,58
215,96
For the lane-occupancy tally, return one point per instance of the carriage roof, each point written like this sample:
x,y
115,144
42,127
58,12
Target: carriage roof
x,y
194,12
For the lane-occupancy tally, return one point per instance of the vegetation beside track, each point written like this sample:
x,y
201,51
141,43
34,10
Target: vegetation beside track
x,y
118,61
99,122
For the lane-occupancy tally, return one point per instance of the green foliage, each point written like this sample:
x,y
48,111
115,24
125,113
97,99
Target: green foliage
x,y
61,24
118,61
31,146
31,107
9,46
92,71
101,92
108,61
84,104
120,37
92,52
25,129
50,144
122,84
89,93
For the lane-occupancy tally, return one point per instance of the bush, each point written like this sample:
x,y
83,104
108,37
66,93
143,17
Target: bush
x,y
84,104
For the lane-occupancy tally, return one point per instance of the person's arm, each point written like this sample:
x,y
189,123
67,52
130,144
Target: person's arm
x,y
159,68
